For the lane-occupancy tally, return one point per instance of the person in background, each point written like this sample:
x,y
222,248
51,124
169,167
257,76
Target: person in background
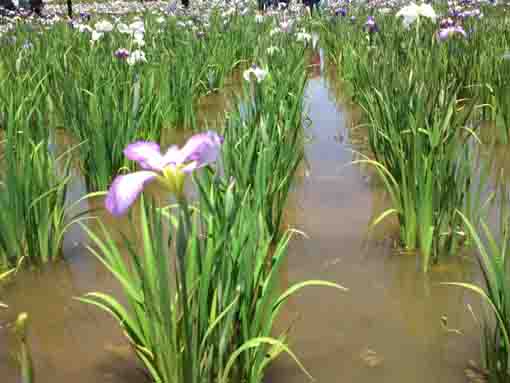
x,y
264,4
310,4
7,4
34,5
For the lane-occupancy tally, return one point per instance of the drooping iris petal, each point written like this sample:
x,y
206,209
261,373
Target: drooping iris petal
x,y
203,148
259,73
125,190
146,153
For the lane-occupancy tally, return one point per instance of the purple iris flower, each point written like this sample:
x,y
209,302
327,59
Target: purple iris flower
x,y
121,53
85,16
341,12
445,23
370,25
453,13
445,33
169,168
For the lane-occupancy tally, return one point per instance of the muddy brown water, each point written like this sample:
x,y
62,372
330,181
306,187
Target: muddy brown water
x,y
386,328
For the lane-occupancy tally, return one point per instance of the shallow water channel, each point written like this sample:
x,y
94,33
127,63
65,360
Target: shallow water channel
x,y
386,328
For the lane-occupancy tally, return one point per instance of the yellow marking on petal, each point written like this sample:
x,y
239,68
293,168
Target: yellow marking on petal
x,y
173,179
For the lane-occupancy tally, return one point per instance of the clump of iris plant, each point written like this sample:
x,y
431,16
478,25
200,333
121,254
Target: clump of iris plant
x,y
169,169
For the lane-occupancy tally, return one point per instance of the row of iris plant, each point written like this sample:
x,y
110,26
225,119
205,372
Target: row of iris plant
x,y
439,79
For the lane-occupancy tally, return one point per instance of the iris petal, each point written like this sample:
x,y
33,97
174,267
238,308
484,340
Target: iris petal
x,y
146,153
125,190
203,148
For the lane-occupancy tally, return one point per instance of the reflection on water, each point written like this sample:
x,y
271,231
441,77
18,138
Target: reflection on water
x,y
387,328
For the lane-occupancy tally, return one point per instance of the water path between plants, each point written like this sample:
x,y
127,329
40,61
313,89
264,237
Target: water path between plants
x,y
387,328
